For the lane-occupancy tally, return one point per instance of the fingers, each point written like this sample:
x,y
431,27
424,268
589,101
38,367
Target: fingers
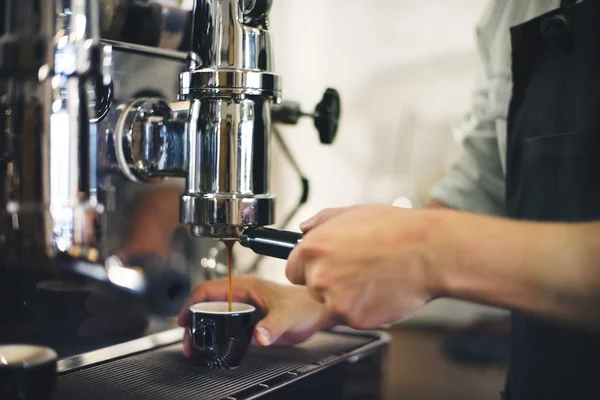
x,y
215,290
320,218
210,291
197,296
188,346
274,325
303,259
290,314
295,266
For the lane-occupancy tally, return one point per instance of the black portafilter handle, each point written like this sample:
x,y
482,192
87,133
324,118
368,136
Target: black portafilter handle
x,y
270,242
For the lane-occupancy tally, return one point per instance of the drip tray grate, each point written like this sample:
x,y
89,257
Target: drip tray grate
x,y
165,374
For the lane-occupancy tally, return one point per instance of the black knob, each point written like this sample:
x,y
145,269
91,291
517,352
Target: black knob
x,y
288,112
327,116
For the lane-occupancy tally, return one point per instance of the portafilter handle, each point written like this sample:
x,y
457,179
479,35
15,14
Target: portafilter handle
x,y
270,242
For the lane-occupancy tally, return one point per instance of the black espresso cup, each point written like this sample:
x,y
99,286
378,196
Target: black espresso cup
x,y
60,310
221,337
27,372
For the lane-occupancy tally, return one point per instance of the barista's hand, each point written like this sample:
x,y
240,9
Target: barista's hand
x,y
291,314
369,264
323,216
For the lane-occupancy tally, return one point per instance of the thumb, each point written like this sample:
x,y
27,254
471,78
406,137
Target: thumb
x,y
272,327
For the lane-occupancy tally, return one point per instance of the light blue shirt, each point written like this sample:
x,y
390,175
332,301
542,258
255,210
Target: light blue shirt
x,y
475,182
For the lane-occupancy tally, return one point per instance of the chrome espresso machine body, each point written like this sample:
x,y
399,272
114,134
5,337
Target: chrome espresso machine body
x,y
102,101
65,137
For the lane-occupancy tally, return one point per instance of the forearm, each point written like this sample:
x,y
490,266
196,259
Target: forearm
x,y
435,204
541,268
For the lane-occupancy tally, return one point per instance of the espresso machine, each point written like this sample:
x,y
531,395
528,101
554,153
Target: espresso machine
x,y
103,100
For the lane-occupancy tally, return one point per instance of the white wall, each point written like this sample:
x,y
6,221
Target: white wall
x,y
405,70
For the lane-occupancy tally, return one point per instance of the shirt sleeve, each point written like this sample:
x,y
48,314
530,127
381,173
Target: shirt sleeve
x,y
475,182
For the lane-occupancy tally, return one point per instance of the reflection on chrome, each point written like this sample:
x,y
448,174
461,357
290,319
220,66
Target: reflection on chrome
x,y
78,64
230,85
61,173
125,277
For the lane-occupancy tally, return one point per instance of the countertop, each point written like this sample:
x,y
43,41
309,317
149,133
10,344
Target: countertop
x,y
418,370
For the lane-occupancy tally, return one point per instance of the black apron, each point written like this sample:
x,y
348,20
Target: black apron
x,y
553,174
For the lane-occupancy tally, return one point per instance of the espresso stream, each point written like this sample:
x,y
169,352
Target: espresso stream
x,y
229,246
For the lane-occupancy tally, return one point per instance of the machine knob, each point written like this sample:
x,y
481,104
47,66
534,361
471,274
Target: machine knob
x,y
327,116
288,112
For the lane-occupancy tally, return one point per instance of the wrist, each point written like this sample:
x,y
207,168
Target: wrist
x,y
457,253
435,247
460,251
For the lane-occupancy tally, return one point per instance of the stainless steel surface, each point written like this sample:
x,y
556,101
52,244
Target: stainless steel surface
x,y
157,23
26,62
151,141
49,199
56,166
62,174
143,77
223,217
222,147
235,83
175,335
224,150
123,349
163,373
154,52
223,38
230,85
79,64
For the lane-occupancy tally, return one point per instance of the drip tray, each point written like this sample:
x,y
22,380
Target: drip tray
x,y
163,373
